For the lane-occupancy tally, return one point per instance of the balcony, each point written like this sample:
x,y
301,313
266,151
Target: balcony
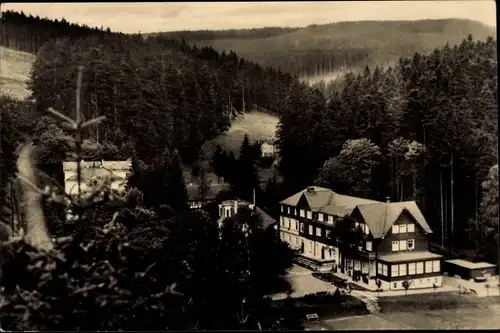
x,y
361,253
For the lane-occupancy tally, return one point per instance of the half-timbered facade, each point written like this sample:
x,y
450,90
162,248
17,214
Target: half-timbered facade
x,y
395,247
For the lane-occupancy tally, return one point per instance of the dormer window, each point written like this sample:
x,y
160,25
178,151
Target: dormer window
x,y
395,229
320,216
302,213
309,214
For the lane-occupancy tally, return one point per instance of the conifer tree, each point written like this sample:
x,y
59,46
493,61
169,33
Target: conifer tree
x,y
246,179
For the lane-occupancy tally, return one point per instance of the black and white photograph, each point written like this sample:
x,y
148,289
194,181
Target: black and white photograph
x,y
251,166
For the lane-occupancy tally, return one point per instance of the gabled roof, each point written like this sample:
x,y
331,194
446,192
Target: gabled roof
x,y
265,218
379,216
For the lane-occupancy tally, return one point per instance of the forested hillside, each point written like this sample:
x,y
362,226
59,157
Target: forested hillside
x,y
426,129
154,93
315,50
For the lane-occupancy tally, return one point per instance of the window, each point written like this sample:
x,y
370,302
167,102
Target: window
x,y
282,221
402,228
328,233
395,246
295,211
428,266
368,246
402,269
309,214
411,227
288,210
310,246
320,216
402,245
394,270
282,209
310,230
395,284
330,219
318,231
411,244
436,266
382,269
411,268
296,225
395,229
367,231
420,267
302,227
302,213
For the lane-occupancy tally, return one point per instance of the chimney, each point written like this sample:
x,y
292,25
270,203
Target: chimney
x,y
388,199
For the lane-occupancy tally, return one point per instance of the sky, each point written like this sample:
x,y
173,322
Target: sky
x,y
171,16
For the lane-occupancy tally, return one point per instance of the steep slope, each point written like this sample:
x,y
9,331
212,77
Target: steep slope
x,y
15,67
319,49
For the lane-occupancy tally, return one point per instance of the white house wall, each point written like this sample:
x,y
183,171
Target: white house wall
x,y
421,283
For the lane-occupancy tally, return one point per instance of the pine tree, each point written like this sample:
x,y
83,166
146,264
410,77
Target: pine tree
x,y
219,159
176,192
246,179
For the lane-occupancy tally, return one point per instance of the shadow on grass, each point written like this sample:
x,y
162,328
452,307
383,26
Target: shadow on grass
x,y
327,305
439,301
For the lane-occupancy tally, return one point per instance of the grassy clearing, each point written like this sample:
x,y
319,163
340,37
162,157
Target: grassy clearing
x,y
258,125
15,67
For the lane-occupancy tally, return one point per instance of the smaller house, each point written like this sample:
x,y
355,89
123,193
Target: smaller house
x,y
229,208
469,270
197,201
269,148
94,171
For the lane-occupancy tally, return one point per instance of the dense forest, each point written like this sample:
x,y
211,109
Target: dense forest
x,y
424,130
316,50
27,33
